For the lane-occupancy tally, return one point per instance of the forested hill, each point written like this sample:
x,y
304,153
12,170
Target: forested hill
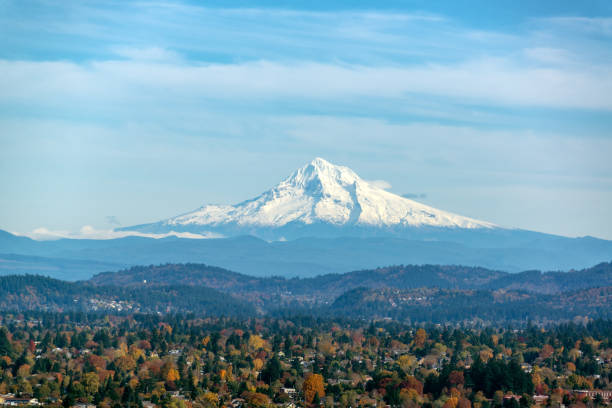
x,y
416,293
30,292
332,285
22,293
435,305
188,274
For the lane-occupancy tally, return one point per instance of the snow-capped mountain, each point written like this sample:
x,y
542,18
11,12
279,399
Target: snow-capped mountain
x,y
320,195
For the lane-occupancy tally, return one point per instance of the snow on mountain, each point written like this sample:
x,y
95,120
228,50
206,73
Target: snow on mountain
x,y
321,192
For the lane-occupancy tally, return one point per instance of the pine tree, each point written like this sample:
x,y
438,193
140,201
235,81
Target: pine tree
x,y
6,348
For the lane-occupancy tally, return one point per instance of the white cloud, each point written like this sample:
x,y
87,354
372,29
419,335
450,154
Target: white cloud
x,y
385,185
487,81
548,55
597,25
89,232
156,54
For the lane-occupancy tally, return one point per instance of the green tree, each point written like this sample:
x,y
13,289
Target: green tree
x,y
6,348
272,371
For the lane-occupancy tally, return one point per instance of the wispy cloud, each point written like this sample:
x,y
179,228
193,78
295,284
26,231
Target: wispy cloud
x,y
548,55
591,25
200,54
499,82
385,185
153,54
89,232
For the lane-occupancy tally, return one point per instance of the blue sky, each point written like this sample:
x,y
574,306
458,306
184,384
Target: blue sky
x,y
116,112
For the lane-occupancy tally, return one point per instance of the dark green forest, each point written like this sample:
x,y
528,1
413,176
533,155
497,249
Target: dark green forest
x,y
428,293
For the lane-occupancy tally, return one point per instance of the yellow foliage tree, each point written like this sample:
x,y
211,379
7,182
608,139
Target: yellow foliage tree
x,y
420,337
406,362
91,381
485,355
410,397
207,400
136,352
257,399
125,363
326,347
256,342
123,347
313,385
258,364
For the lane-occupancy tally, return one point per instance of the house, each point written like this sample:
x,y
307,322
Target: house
x,y
20,402
512,396
540,399
176,394
83,405
238,402
605,394
289,391
148,404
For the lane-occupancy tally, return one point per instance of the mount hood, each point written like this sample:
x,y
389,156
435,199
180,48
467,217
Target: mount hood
x,y
318,199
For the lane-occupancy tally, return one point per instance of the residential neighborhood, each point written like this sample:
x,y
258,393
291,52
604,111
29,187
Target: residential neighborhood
x,y
87,360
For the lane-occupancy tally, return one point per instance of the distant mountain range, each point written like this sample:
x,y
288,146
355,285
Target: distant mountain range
x,y
429,293
74,259
322,219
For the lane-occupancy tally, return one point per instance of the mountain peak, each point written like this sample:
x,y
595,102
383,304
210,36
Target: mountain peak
x,y
320,193
321,166
320,162
321,176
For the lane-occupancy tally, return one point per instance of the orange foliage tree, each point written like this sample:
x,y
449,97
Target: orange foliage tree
x,y
173,375
420,337
313,385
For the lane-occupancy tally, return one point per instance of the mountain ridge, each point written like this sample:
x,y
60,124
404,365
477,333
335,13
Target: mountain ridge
x,y
452,296
330,285
507,250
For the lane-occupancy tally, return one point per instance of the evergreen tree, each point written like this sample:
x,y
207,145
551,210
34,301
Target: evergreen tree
x,y
6,348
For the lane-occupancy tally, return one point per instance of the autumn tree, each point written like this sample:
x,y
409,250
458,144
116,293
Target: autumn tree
x,y
313,386
91,383
419,338
172,375
207,400
256,342
257,399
